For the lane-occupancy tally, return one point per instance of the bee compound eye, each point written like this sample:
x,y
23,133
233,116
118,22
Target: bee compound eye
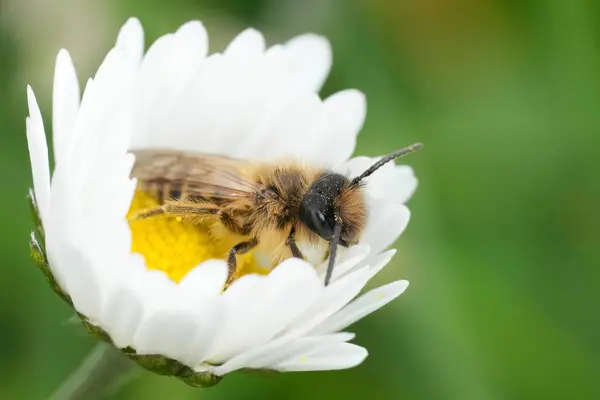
x,y
321,217
317,215
322,224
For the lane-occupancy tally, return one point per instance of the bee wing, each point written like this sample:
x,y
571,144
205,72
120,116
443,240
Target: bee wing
x,y
199,174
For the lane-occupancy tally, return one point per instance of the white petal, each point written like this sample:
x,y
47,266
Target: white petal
x,y
247,45
309,57
168,104
65,103
131,38
333,298
166,332
347,260
168,324
191,37
122,315
239,304
379,262
359,308
328,129
403,184
346,111
204,336
157,291
374,262
103,127
92,177
257,357
286,292
38,155
386,222
206,314
396,183
278,351
82,283
303,118
157,62
207,279
331,357
182,326
81,129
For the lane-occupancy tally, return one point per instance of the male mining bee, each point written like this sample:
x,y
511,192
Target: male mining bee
x,y
280,209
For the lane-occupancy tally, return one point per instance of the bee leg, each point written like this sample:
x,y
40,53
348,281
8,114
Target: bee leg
x,y
176,209
240,248
147,213
293,246
230,223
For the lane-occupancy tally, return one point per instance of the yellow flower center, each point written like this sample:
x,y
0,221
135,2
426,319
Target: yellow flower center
x,y
175,246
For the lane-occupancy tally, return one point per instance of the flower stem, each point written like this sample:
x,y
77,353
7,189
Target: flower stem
x,y
102,372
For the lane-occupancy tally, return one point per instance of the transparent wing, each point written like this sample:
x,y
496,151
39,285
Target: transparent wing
x,y
195,173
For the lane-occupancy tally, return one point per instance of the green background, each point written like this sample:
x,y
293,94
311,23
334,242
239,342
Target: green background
x,y
502,249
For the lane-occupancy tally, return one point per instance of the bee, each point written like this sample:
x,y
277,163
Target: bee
x,y
283,210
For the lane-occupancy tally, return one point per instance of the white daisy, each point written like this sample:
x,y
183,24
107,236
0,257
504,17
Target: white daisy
x,y
251,102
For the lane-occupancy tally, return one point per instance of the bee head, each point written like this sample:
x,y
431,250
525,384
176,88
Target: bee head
x,y
333,200
334,207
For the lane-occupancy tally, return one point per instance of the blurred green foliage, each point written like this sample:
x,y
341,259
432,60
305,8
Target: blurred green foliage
x,y
502,250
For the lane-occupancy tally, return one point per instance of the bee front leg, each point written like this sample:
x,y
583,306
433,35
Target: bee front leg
x,y
291,242
240,248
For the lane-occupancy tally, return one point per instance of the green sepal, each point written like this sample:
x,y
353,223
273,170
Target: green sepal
x,y
166,366
35,215
38,250
156,363
96,332
38,254
200,379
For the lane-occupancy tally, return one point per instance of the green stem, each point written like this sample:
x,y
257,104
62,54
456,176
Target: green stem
x,y
103,371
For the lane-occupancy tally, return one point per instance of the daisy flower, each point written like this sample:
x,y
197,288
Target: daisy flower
x,y
155,288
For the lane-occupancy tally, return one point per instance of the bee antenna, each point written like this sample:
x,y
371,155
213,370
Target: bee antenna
x,y
337,231
398,153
